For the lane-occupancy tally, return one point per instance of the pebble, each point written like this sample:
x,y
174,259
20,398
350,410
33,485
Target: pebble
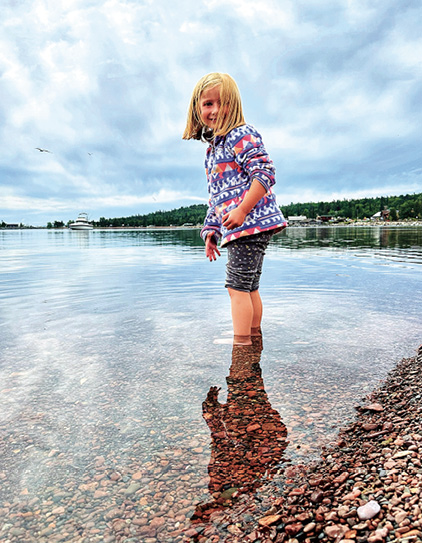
x,y
369,510
269,520
334,531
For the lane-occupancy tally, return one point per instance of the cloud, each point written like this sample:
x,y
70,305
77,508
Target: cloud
x,y
334,88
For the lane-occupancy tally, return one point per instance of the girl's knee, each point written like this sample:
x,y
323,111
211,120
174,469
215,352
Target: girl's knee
x,y
236,293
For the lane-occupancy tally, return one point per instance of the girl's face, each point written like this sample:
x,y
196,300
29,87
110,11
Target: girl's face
x,y
209,106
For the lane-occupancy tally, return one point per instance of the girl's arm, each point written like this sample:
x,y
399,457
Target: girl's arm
x,y
236,217
251,155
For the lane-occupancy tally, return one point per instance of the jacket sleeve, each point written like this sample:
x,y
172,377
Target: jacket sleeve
x,y
253,158
211,224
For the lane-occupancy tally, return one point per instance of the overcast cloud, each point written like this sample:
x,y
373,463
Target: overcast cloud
x,y
334,86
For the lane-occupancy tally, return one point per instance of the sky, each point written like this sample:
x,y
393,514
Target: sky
x,y
333,86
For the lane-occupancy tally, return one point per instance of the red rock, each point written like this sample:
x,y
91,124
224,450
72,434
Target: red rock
x,y
58,510
369,426
293,529
269,520
400,516
341,478
352,495
309,527
297,492
156,522
252,427
100,494
343,511
412,533
140,521
119,524
317,496
402,454
334,531
374,407
191,532
113,513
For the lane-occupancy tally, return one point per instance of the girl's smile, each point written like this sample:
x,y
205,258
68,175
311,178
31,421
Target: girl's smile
x,y
209,106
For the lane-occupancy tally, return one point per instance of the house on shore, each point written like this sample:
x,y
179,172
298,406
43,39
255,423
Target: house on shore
x,y
297,220
381,215
325,218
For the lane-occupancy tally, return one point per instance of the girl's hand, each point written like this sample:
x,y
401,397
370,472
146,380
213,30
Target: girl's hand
x,y
234,218
211,249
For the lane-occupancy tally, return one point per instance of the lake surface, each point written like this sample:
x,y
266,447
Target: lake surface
x,y
110,342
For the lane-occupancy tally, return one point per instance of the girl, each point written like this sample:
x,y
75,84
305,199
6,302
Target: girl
x,y
242,210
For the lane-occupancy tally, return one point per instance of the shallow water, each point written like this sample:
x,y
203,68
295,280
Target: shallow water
x,y
111,340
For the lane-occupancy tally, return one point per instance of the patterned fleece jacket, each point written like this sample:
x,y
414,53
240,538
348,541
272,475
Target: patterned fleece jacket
x,y
232,162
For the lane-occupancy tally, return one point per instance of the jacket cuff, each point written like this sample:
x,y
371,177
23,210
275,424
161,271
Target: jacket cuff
x,y
206,230
266,181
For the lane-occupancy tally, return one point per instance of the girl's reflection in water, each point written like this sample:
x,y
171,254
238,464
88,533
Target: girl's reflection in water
x,y
248,437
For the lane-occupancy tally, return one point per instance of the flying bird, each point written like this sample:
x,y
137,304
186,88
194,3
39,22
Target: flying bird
x,y
42,150
90,154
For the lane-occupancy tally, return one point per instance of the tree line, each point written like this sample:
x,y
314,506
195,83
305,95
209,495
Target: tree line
x,y
191,215
401,207
407,206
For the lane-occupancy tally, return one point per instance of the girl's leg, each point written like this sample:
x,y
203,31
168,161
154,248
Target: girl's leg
x,y
242,316
244,266
257,313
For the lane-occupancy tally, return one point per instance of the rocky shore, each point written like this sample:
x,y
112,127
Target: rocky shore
x,y
365,488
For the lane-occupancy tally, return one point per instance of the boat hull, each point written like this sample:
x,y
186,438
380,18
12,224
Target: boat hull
x,y
81,226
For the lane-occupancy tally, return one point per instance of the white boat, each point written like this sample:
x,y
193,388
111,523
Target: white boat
x,y
81,223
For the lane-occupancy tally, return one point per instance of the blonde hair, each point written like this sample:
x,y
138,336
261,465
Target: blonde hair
x,y
230,115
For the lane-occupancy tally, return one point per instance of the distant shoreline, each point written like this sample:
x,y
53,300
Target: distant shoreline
x,y
359,224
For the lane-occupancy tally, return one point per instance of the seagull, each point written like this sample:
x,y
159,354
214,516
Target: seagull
x,y
42,150
90,154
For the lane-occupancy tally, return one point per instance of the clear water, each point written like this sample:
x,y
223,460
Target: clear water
x,y
111,340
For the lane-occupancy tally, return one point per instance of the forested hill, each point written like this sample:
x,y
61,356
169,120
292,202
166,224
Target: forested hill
x,y
401,207
192,215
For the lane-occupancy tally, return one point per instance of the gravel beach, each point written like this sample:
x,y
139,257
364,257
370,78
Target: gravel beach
x,y
365,488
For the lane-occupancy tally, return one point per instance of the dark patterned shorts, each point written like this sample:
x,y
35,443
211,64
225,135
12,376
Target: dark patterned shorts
x,y
244,261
